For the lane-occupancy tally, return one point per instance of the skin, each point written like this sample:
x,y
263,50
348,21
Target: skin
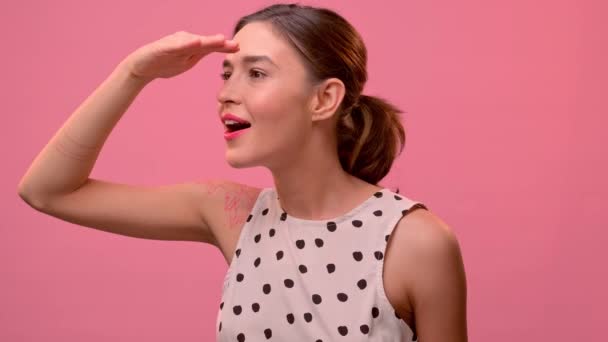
x,y
238,199
293,135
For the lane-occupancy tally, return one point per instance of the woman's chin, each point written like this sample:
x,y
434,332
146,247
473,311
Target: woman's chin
x,y
235,162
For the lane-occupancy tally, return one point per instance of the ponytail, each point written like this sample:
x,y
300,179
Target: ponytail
x,y
370,136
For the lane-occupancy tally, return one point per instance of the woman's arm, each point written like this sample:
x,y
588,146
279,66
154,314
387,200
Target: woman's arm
x,y
58,182
66,161
433,277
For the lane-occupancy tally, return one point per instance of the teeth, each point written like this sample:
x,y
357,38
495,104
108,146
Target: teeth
x,y
233,125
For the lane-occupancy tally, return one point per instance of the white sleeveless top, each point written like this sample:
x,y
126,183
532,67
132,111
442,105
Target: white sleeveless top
x,y
292,279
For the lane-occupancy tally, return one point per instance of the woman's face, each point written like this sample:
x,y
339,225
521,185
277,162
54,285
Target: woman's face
x,y
265,83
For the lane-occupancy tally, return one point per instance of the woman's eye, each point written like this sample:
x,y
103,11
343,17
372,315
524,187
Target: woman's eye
x,y
253,73
256,72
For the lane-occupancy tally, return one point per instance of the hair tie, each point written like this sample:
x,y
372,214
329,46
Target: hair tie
x,y
357,102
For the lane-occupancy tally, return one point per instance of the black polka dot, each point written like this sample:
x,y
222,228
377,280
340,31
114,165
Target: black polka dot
x,y
220,326
386,237
316,299
343,297
239,277
268,333
283,216
238,252
364,329
237,309
302,269
257,238
240,337
343,330
308,317
398,198
265,211
331,268
319,242
378,255
255,307
378,212
271,232
221,305
362,284
357,223
331,226
300,244
249,217
279,255
375,312
266,288
358,256
288,283
378,194
290,318
256,263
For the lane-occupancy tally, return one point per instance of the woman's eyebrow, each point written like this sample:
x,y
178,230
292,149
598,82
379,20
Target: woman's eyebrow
x,y
250,59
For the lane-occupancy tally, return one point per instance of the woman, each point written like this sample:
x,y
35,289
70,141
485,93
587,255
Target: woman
x,y
324,255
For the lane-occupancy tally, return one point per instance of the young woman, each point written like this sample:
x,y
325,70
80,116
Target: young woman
x,y
325,254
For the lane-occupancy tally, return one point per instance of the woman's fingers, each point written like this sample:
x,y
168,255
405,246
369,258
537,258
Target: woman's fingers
x,y
229,46
206,45
176,53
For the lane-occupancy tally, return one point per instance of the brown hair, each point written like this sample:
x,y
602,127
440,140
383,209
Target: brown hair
x,y
368,131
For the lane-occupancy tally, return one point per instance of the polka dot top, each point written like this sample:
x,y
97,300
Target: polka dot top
x,y
292,279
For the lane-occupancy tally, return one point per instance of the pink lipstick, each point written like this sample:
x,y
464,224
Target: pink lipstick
x,y
232,135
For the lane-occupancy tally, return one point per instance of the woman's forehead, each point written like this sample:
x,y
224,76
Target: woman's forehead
x,y
257,39
256,33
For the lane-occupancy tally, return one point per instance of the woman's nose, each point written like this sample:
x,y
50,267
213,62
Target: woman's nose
x,y
227,93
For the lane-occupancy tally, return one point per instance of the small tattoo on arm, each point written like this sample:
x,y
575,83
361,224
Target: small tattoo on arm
x,y
235,198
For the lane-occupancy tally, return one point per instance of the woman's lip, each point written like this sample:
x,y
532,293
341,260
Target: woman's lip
x,y
232,135
230,116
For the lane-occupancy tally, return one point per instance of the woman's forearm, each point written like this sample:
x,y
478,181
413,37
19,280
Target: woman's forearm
x,y
66,161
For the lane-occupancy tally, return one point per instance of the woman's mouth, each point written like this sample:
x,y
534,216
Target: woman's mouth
x,y
233,126
230,134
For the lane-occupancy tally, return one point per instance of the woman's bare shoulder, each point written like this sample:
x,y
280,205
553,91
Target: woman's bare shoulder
x,y
432,272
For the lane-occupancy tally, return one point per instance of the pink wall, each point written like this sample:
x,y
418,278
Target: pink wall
x,y
503,118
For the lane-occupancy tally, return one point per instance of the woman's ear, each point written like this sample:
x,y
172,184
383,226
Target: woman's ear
x,y
327,97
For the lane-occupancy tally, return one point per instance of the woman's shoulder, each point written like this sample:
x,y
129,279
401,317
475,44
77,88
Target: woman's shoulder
x,y
227,204
431,268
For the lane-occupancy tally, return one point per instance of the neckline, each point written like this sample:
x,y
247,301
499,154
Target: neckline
x,y
336,219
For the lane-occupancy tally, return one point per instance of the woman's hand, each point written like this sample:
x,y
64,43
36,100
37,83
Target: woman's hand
x,y
174,54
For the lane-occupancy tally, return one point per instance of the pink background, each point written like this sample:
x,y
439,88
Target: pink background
x,y
504,143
